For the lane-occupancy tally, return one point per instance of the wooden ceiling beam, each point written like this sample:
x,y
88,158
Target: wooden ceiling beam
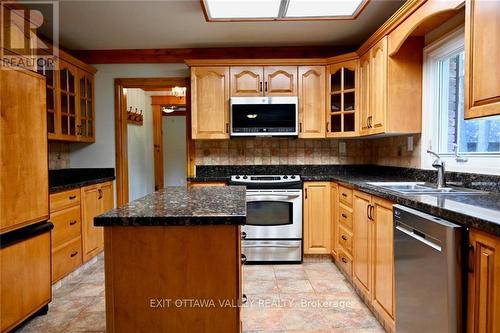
x,y
179,55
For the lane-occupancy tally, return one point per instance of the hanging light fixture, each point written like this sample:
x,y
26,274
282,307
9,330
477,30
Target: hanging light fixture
x,y
179,91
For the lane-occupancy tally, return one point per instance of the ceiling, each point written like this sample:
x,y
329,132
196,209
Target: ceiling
x,y
111,24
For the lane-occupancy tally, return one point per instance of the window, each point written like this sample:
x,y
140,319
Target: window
x,y
467,145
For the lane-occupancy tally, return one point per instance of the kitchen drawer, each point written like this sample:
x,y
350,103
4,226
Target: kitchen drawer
x,y
345,217
345,239
345,195
67,225
66,259
345,262
64,199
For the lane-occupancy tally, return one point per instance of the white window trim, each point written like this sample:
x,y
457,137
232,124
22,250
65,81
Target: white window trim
x,y
477,163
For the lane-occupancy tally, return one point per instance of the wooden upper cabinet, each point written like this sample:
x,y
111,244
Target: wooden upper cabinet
x,y
86,107
312,93
247,81
317,218
378,87
280,80
484,288
482,57
364,93
52,95
342,114
24,197
210,102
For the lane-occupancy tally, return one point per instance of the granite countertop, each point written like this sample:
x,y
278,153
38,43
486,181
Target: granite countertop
x,y
481,211
68,179
176,206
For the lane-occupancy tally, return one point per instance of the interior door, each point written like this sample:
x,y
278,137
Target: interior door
x,y
246,81
362,250
280,80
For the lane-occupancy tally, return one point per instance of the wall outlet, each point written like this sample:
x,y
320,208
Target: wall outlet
x,y
410,143
342,148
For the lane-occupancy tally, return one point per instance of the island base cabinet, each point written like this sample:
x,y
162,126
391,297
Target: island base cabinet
x,y
173,278
484,283
96,199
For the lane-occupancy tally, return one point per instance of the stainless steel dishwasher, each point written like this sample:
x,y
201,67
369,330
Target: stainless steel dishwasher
x,y
428,273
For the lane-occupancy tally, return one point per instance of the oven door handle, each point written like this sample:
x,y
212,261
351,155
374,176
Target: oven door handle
x,y
270,245
274,197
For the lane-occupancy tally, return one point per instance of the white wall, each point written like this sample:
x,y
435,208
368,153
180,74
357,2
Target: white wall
x,y
140,146
101,154
174,150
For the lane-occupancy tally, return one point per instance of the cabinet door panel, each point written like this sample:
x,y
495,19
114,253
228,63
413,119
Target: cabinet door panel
x,y
91,235
317,218
68,115
24,196
280,81
246,81
86,119
383,258
210,102
484,290
378,87
482,56
364,92
362,242
312,101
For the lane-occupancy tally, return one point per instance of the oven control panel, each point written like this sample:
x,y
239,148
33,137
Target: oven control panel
x,y
267,181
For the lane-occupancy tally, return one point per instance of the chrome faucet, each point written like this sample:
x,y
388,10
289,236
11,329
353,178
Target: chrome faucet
x,y
439,165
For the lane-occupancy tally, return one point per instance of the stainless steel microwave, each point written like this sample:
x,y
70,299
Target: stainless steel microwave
x,y
264,116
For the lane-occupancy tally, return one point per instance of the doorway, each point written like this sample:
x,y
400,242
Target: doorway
x,y
154,148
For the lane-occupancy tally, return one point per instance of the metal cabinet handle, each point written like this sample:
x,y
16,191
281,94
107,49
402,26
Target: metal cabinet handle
x,y
344,195
73,254
344,237
227,127
243,235
300,127
328,126
260,84
72,197
344,260
266,87
244,299
243,259
100,193
306,192
368,212
72,222
344,216
372,209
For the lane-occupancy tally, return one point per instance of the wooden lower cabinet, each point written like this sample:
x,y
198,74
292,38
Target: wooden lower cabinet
x,y
317,218
96,199
484,283
25,276
205,184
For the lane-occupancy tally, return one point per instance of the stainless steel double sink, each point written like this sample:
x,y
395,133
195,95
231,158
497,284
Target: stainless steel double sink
x,y
422,188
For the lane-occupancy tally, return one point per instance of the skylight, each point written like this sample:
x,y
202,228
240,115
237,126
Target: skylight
x,y
247,10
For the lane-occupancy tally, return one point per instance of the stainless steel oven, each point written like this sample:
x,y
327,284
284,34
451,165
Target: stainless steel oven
x,y
273,232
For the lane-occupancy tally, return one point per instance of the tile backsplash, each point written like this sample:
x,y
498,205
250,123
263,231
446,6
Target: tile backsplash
x,y
390,151
58,155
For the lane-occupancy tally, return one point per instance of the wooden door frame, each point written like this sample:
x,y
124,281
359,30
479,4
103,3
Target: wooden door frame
x,y
121,146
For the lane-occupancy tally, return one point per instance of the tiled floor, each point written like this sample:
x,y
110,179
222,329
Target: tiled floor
x,y
312,297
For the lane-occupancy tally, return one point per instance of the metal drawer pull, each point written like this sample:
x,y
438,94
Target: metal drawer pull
x,y
244,299
344,216
243,259
71,197
344,260
243,235
73,254
344,194
344,237
72,222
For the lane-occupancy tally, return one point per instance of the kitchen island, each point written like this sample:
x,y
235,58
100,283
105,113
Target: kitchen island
x,y
173,261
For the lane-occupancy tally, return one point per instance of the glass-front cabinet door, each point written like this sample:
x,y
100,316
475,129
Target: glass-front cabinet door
x,y
342,113
52,83
68,92
86,124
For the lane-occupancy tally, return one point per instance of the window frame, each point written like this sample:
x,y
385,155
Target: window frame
x,y
485,162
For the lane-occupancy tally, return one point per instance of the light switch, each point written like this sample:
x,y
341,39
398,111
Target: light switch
x,y
410,143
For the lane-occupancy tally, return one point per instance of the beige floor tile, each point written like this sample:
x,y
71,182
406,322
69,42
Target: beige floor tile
x,y
294,286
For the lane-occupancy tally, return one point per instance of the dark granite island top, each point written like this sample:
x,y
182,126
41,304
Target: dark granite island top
x,y
174,206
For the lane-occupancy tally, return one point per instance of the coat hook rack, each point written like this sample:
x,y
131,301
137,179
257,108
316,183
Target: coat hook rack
x,y
135,117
